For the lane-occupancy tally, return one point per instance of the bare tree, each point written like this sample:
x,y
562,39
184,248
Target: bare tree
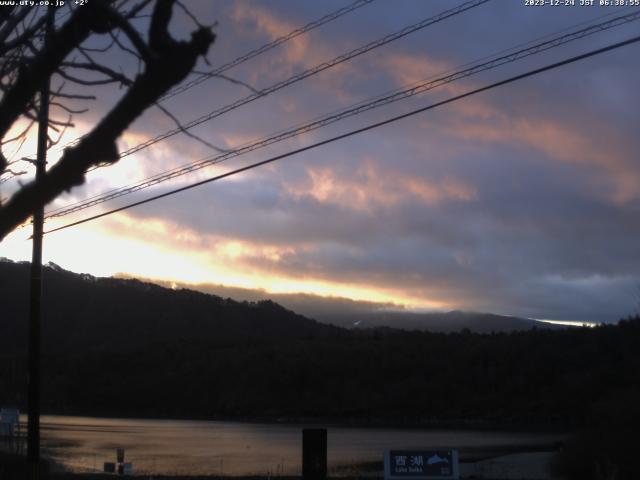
x,y
37,44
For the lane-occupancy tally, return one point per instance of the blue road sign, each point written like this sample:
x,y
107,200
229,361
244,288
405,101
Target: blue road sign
x,y
421,464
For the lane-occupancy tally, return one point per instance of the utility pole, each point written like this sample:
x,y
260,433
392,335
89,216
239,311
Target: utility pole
x,y
34,362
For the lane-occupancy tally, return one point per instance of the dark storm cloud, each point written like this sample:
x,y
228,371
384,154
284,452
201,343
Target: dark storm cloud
x,y
520,201
528,247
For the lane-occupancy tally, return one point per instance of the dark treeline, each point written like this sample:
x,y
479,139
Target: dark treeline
x,y
539,377
107,352
83,313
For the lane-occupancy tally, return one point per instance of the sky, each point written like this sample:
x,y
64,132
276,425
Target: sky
x,y
523,200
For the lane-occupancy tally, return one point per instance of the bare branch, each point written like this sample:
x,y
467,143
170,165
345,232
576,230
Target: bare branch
x,y
189,14
187,132
131,33
20,135
53,123
228,79
82,81
16,150
26,34
45,62
99,49
170,63
12,22
137,9
11,173
53,143
31,116
57,93
95,67
123,47
73,96
67,109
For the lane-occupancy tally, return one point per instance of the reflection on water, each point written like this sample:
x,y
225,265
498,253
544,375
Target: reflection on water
x,y
185,447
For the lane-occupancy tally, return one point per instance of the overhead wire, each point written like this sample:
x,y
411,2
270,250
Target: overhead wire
x,y
372,126
353,110
307,73
266,47
255,52
426,22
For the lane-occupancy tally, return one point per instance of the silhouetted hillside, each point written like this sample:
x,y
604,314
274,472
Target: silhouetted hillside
x,y
348,313
84,312
81,312
127,348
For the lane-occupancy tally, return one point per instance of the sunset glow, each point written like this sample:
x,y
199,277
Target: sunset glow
x,y
482,204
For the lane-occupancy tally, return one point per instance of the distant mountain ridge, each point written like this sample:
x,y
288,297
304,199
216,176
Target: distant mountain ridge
x,y
127,348
444,322
348,313
117,314
122,314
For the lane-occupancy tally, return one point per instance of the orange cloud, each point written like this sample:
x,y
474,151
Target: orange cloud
x,y
478,119
371,187
407,69
266,23
304,51
578,140
583,142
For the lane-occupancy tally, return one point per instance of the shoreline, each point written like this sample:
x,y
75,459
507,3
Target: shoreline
x,y
480,425
362,470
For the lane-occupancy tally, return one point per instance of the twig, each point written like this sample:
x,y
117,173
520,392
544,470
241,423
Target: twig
x,y
187,132
228,79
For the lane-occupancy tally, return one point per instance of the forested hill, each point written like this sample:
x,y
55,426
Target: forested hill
x,y
127,348
81,312
80,309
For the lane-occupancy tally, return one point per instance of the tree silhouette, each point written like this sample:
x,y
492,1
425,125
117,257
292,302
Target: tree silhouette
x,y
38,43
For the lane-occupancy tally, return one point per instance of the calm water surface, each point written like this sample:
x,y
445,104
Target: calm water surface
x,y
83,444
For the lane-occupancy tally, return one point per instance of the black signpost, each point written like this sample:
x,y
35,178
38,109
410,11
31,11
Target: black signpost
x,y
314,453
119,466
421,464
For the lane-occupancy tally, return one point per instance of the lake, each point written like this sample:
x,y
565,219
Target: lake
x,y
83,444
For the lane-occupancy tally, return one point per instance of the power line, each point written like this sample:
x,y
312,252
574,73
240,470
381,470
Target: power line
x,y
266,47
257,51
307,73
348,112
310,72
515,78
